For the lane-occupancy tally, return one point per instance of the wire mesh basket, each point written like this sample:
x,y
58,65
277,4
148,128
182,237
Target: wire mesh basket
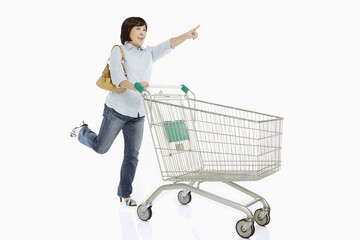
x,y
201,141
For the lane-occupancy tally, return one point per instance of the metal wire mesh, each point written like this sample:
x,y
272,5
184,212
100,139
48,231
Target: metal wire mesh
x,y
201,141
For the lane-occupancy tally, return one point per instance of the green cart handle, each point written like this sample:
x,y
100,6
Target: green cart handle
x,y
139,87
182,87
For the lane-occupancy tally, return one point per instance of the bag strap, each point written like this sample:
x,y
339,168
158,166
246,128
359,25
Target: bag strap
x,y
122,58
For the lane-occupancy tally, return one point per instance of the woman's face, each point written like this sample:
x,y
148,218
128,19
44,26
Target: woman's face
x,y
137,36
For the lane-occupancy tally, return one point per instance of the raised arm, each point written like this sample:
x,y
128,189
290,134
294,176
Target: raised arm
x,y
176,41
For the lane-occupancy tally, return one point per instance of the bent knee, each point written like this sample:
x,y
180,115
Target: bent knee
x,y
101,150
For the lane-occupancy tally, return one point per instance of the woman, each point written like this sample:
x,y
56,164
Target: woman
x,y
125,110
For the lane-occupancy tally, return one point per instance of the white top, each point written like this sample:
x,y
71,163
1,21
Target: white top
x,y
138,66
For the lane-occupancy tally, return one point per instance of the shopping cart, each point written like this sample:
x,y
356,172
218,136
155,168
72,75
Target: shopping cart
x,y
197,141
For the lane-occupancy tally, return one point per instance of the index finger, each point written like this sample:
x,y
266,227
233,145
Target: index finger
x,y
196,28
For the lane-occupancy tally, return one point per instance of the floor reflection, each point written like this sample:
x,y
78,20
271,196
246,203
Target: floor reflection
x,y
128,228
185,212
261,233
145,229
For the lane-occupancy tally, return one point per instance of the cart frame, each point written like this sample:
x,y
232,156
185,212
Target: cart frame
x,y
256,167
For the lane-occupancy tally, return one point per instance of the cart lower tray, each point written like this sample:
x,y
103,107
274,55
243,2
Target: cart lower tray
x,y
221,176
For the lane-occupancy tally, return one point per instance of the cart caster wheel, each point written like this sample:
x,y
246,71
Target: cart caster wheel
x,y
239,229
261,221
144,215
184,200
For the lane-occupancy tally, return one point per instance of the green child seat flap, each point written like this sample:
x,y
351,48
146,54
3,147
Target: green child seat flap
x,y
176,130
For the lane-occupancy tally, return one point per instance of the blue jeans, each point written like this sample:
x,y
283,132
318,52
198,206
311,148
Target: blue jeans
x,y
113,122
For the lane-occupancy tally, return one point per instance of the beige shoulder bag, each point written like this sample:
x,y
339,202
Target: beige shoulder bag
x,y
105,82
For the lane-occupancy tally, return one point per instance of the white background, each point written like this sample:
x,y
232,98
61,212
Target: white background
x,y
296,59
